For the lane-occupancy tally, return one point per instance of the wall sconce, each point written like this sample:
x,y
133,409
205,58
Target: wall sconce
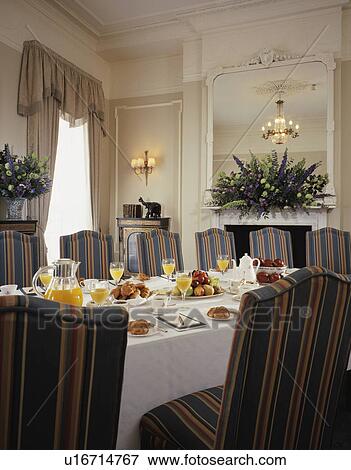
x,y
143,166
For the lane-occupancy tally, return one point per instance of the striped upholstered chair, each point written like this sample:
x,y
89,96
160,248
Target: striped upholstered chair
x,y
210,244
19,258
92,249
61,373
271,242
156,245
289,354
330,248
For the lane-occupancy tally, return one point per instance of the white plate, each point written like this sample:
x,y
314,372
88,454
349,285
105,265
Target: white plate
x,y
231,317
194,297
152,331
137,302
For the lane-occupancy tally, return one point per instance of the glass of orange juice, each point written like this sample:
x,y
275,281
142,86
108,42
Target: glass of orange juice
x,y
183,282
223,263
99,292
116,270
168,266
45,278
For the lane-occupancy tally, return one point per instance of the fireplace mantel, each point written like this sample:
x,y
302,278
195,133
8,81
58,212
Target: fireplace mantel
x,y
316,218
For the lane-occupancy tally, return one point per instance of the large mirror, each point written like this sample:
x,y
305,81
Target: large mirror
x,y
245,102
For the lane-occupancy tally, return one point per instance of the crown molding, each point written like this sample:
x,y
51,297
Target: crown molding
x,y
188,15
119,40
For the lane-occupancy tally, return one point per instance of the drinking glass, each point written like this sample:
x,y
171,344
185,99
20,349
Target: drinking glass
x,y
168,266
116,270
223,263
99,292
45,278
183,282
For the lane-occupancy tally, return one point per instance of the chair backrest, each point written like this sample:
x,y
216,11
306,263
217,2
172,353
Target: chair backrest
x,y
19,258
61,373
330,248
272,243
210,244
156,245
289,354
94,250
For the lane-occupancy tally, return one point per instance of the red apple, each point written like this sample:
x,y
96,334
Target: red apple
x,y
268,263
274,277
278,263
262,278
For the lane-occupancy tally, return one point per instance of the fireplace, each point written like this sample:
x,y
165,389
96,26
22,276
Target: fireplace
x,y
297,222
298,236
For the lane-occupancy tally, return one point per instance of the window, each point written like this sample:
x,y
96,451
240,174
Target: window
x,y
70,205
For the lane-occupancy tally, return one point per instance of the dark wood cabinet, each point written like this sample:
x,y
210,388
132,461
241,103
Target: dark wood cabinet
x,y
28,227
128,228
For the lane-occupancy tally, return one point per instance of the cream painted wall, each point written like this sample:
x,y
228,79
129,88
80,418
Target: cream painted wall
x,y
145,77
13,127
154,124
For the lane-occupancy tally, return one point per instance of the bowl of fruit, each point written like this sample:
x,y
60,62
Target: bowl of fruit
x,y
202,286
270,270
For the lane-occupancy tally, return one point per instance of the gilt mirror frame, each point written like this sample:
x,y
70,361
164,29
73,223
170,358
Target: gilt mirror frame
x,y
266,59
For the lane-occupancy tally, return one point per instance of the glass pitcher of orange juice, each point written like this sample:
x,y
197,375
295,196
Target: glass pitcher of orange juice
x,y
64,286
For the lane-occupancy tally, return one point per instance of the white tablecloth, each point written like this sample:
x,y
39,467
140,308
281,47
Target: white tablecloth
x,y
168,365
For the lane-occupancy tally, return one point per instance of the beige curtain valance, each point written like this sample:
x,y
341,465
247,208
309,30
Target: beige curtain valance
x,y
44,73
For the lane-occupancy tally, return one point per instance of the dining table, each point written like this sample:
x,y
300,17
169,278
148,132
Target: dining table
x,y
168,363
171,363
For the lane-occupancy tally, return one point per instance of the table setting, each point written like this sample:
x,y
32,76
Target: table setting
x,y
181,324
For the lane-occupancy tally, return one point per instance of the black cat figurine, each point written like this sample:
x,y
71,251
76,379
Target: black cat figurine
x,y
153,209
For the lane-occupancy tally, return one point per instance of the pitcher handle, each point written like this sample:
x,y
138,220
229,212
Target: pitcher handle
x,y
258,264
36,278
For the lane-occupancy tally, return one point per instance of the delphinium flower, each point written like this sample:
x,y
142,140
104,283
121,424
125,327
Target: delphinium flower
x,y
264,184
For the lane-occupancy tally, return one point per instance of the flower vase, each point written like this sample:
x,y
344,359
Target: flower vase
x,y
16,208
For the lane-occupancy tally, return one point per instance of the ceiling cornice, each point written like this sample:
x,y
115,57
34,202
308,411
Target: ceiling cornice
x,y
81,14
116,41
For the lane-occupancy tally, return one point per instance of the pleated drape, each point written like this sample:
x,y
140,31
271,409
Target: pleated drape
x,y
50,87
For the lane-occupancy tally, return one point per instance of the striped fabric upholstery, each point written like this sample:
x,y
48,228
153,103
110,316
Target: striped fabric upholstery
x,y
186,423
19,259
210,244
289,354
271,242
61,372
156,245
92,249
330,248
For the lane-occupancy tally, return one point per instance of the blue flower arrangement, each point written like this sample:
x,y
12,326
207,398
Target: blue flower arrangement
x,y
23,177
265,184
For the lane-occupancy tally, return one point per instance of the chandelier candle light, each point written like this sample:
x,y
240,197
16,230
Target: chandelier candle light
x,y
143,166
280,133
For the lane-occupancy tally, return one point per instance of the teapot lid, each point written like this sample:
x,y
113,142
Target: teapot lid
x,y
65,267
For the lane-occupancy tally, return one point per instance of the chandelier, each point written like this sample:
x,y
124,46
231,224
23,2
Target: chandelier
x,y
280,132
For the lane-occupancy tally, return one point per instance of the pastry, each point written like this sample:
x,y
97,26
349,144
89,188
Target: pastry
x,y
116,292
219,313
138,327
127,289
143,277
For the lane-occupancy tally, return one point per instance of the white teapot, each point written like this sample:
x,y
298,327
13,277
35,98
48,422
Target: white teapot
x,y
247,270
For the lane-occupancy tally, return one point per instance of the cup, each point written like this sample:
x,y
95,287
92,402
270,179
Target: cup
x,y
9,289
88,284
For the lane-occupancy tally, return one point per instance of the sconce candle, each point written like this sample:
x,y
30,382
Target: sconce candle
x,y
143,166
